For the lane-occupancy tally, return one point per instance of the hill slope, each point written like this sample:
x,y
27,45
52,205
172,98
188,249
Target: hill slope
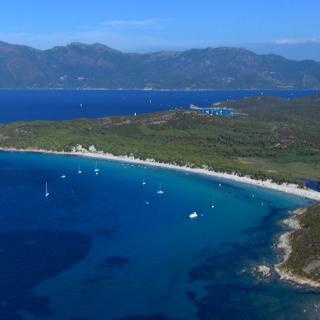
x,y
97,66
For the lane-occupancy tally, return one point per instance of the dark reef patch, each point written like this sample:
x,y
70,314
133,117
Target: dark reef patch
x,y
106,232
115,261
103,271
28,257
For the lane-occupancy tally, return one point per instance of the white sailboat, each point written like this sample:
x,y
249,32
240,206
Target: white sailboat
x,y
63,176
47,192
193,215
96,169
143,182
79,170
160,191
212,203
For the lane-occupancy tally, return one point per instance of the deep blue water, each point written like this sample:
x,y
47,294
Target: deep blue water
x,y
19,105
106,247
315,185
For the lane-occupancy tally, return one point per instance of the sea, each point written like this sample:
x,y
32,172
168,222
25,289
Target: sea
x,y
107,246
28,105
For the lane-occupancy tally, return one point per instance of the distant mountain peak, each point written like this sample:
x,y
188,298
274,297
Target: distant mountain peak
x,y
96,46
80,65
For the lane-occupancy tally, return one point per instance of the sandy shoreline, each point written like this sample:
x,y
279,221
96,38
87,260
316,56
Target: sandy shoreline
x,y
292,222
284,244
268,184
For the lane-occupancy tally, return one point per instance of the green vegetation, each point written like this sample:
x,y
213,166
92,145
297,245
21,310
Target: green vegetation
x,y
305,257
276,139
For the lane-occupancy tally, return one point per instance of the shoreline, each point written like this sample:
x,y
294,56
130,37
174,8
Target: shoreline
x,y
284,244
292,222
267,184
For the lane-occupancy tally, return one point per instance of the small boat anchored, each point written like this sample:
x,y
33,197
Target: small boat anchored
x,y
63,176
160,191
193,215
79,170
212,202
96,169
47,192
143,182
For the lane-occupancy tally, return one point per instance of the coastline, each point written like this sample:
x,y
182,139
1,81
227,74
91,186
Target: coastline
x,y
284,244
284,240
267,184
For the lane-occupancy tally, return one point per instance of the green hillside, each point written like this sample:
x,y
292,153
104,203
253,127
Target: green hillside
x,y
272,138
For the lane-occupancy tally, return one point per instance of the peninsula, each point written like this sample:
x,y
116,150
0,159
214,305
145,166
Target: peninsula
x,y
266,138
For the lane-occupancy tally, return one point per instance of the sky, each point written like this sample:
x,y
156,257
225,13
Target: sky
x,y
139,25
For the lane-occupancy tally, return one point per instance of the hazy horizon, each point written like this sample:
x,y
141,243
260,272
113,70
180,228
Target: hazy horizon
x,y
287,28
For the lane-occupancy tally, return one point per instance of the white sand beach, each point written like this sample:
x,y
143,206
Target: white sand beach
x,y
93,153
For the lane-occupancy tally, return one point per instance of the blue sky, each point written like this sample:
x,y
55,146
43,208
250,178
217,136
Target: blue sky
x,y
138,25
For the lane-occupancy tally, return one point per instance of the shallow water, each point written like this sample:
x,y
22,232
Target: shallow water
x,y
106,247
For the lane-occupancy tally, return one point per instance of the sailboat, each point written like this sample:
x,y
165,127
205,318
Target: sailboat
x,y
160,191
47,193
63,176
212,203
79,170
143,182
96,169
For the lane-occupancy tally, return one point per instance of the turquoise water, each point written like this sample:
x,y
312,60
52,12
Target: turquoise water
x,y
106,247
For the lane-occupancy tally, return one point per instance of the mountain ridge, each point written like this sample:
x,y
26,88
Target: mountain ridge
x,y
80,66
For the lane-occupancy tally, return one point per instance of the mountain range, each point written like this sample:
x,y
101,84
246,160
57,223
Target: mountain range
x,y
83,66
